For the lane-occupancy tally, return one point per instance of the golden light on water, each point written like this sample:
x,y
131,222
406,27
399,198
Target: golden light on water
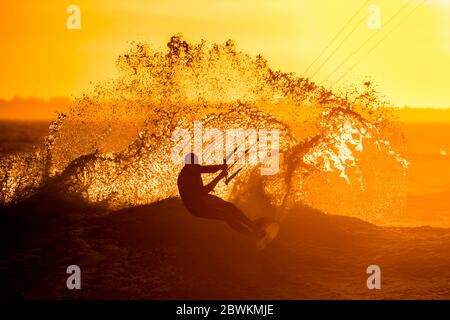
x,y
310,128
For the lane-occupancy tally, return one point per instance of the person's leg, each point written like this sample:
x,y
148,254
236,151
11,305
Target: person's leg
x,y
237,217
217,208
239,227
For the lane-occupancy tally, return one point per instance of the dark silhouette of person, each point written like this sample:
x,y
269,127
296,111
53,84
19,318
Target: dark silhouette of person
x,y
200,203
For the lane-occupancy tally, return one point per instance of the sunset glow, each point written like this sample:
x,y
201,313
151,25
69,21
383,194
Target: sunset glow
x,y
43,59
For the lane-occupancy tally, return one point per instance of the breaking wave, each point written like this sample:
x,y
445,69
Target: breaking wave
x,y
338,152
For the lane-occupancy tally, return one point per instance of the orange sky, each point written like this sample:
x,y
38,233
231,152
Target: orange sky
x,y
42,58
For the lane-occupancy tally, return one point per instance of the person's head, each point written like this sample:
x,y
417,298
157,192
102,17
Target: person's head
x,y
190,158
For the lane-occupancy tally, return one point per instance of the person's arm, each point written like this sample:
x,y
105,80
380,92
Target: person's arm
x,y
210,186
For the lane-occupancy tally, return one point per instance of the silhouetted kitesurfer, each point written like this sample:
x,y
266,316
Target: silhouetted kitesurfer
x,y
200,203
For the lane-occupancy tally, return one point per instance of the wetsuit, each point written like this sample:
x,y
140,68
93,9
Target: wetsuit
x,y
200,203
